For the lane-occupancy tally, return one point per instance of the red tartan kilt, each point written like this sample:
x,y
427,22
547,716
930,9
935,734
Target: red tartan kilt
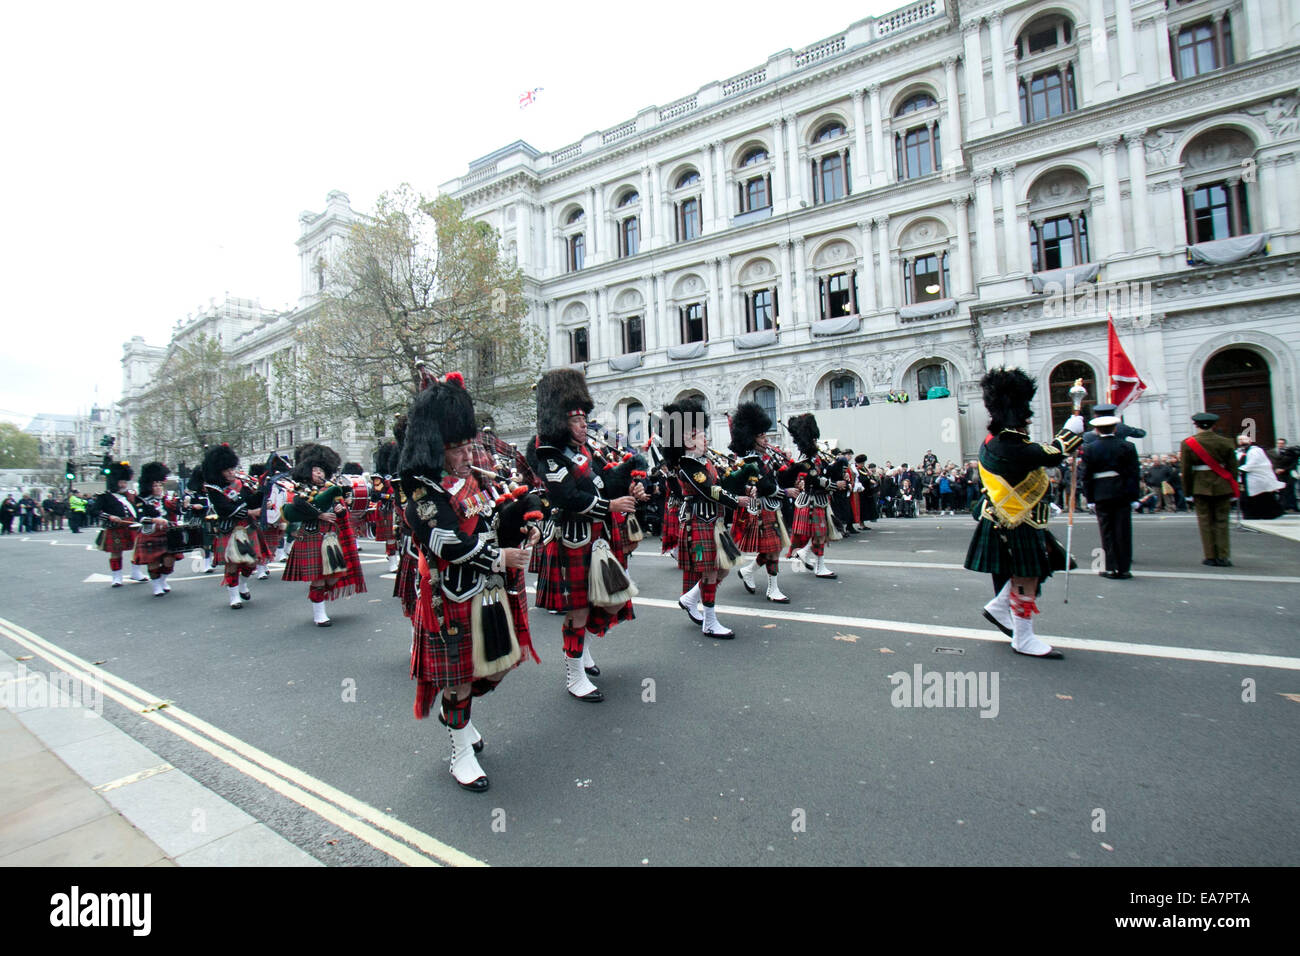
x,y
220,541
117,540
697,551
150,548
272,538
384,525
618,539
517,599
810,524
562,579
408,568
445,662
672,528
759,534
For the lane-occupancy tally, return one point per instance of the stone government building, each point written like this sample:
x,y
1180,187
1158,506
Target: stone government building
x,y
924,195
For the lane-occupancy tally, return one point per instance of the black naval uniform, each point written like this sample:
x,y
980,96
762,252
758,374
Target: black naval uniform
x,y
1110,481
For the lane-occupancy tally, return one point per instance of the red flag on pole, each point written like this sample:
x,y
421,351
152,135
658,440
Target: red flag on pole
x,y
1125,383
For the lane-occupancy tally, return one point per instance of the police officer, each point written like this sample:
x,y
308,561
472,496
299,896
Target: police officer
x,y
1110,483
1208,462
1122,430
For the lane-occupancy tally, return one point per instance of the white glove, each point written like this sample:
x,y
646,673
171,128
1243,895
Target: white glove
x,y
1075,424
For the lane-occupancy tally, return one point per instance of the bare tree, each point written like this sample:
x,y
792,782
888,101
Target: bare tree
x,y
416,281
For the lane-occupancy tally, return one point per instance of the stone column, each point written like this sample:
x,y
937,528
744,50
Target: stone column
x,y
974,59
649,327
796,168
1130,78
1164,59
878,174
595,222
729,325
861,177
646,221
1113,228
1266,174
662,320
887,297
717,176
1178,212
964,268
1011,239
1258,39
952,139
800,312
997,53
524,236
1137,175
1103,85
786,305
662,232
551,320
596,346
867,273
988,263
779,194
714,328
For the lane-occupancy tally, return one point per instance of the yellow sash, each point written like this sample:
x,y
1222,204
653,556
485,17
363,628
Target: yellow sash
x,y
1012,505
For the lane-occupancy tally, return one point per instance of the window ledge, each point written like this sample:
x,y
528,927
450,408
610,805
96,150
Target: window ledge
x,y
1064,278
926,310
837,326
757,340
754,215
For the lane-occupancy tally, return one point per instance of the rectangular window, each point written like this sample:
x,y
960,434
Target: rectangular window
x,y
923,278
832,178
916,153
694,323
577,252
1196,50
756,194
1211,208
633,338
688,220
630,236
578,346
761,312
838,300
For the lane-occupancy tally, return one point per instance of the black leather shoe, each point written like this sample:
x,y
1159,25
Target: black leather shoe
x,y
1224,563
996,623
1054,655
319,623
1212,562
595,697
592,671
245,595
236,607
474,786
1123,575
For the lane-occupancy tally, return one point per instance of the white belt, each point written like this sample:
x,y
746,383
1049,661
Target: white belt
x,y
1201,468
1106,474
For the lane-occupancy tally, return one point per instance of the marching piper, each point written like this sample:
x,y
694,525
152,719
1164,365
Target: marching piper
x,y
705,549
235,497
1011,540
471,610
383,500
758,528
578,571
117,513
324,552
813,526
157,546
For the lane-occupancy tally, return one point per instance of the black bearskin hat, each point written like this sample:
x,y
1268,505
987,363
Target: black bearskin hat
x,y
679,419
256,471
1007,394
804,431
747,424
216,460
399,429
441,415
149,473
308,455
559,392
387,456
118,471
353,468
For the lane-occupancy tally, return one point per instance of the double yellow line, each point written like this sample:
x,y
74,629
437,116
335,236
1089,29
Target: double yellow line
x,y
411,846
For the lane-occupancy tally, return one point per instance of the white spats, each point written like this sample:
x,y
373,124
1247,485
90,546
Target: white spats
x,y
711,626
117,578
1023,639
261,573
166,587
774,591
392,562
279,556
464,765
318,615
234,597
999,609
821,570
576,681
137,573
588,662
747,576
690,602
158,585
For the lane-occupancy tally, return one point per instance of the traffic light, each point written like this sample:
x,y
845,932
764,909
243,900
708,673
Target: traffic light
x,y
69,471
106,467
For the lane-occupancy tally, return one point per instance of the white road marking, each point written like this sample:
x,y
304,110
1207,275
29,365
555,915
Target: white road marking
x,y
989,635
343,810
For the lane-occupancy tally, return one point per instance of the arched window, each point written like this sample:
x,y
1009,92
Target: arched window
x,y
928,377
688,178
765,398
754,156
629,198
576,216
919,101
1059,385
844,390
829,131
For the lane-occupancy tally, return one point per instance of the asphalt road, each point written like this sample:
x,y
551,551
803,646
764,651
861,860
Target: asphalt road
x,y
781,747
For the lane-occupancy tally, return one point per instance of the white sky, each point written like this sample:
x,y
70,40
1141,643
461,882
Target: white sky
x,y
157,155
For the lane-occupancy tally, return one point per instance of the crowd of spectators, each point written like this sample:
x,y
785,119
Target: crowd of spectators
x,y
29,514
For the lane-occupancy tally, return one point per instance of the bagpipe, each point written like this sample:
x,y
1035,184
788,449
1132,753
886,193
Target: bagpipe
x,y
518,508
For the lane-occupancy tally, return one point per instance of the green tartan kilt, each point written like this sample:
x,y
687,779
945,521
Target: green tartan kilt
x,y
1020,552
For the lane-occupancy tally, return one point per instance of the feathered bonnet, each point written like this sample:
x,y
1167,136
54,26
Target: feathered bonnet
x,y
747,424
216,460
311,454
1007,394
804,431
149,473
441,415
679,419
118,471
559,392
